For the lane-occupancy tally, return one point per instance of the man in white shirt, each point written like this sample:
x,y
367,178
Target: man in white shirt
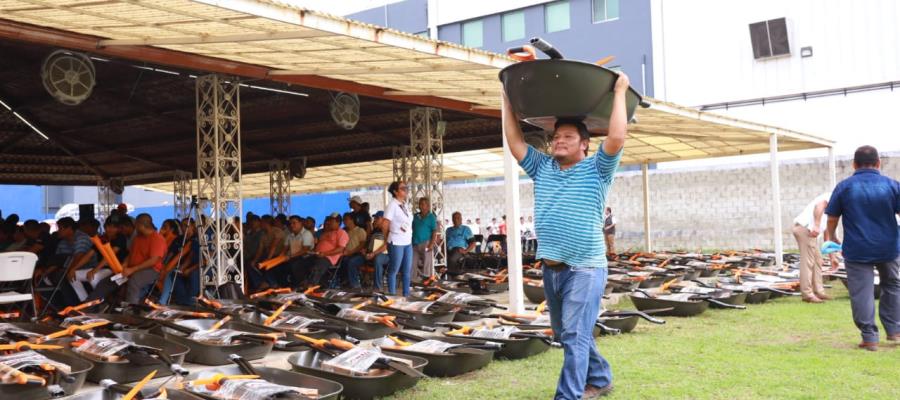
x,y
808,226
297,245
476,230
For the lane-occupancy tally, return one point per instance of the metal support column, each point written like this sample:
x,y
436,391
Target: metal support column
x,y
832,168
107,198
648,245
401,163
280,187
182,190
776,200
513,243
219,181
426,166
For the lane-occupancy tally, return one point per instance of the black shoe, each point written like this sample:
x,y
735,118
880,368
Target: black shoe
x,y
593,392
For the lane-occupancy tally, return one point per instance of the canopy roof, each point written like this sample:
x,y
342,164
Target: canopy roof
x,y
139,123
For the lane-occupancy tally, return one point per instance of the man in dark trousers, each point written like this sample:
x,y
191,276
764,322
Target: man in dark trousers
x,y
868,204
570,192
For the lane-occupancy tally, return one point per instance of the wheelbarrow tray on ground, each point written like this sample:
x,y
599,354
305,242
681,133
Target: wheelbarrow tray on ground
x,y
70,384
210,354
328,389
357,387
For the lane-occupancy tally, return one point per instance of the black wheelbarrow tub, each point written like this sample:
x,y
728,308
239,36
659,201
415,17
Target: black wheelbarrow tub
x,y
124,322
103,394
542,90
358,329
679,308
36,327
534,293
655,281
358,387
210,354
735,299
709,272
258,320
622,286
623,324
691,274
449,364
328,389
758,297
441,315
513,348
70,383
472,313
124,371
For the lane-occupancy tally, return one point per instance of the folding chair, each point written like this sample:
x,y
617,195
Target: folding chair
x,y
333,275
17,266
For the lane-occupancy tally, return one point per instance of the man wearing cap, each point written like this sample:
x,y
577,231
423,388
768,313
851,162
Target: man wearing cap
x,y
570,191
360,216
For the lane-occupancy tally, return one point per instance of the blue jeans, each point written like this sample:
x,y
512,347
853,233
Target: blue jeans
x,y
351,264
860,283
187,288
401,261
381,265
167,288
573,296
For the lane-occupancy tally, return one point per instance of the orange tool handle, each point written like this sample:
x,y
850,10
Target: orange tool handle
x,y
522,53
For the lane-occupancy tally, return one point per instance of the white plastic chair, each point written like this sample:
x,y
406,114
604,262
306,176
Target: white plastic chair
x,y
17,266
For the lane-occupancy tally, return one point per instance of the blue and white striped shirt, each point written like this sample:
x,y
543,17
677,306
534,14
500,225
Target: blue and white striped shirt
x,y
568,206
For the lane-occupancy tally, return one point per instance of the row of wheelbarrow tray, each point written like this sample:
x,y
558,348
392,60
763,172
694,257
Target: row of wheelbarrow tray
x,y
322,330
687,284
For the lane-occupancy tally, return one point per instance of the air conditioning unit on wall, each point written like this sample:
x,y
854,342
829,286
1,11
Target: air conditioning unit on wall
x,y
770,38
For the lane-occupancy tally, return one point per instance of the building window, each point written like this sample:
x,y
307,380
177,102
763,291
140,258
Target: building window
x,y
424,34
473,33
556,15
605,10
513,26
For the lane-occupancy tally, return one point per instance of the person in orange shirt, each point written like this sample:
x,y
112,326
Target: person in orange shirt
x,y
329,249
144,261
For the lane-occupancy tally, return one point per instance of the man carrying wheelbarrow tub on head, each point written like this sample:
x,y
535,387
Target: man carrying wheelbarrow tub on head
x,y
570,191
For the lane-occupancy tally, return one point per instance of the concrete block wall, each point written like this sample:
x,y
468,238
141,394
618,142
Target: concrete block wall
x,y
724,207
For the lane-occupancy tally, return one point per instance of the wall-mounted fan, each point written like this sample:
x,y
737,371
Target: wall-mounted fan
x,y
68,76
345,110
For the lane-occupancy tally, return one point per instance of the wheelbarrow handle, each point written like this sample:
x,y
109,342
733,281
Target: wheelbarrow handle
x,y
607,329
546,48
724,304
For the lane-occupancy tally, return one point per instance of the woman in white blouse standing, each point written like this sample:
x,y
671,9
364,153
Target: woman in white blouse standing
x,y
397,223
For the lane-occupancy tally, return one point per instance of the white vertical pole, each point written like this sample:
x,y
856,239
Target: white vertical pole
x,y
513,244
646,186
832,168
776,200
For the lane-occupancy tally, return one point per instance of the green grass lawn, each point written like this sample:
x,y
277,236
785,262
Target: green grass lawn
x,y
783,349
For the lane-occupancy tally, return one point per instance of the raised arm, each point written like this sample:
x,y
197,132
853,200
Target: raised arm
x,y
513,131
618,119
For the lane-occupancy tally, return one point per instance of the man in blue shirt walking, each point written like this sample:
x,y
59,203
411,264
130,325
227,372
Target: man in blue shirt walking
x,y
570,192
868,203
